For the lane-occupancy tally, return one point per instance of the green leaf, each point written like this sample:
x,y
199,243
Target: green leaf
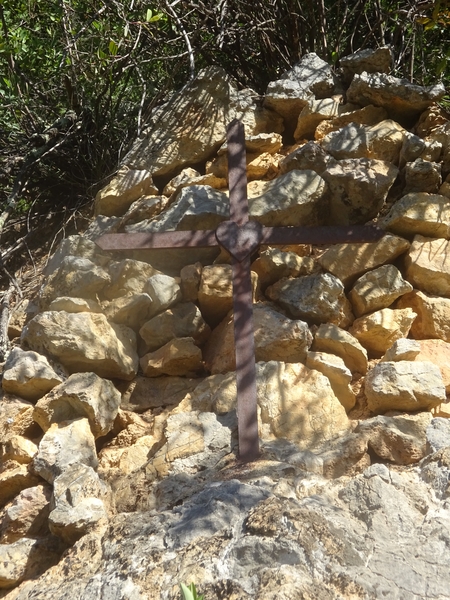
x,y
149,15
113,47
187,594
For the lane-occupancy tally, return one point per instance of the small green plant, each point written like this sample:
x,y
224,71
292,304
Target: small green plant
x,y
189,592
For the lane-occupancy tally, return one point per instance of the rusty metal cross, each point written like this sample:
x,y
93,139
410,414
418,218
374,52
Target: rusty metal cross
x,y
241,237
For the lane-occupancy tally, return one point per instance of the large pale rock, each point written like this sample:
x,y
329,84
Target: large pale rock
x,y
14,480
18,449
78,503
420,213
276,338
349,261
183,320
128,277
27,515
28,375
16,417
164,292
179,181
77,277
64,444
403,100
377,289
381,141
312,114
82,395
379,330
401,439
402,349
433,315
339,375
437,352
369,115
178,357
291,199
316,298
76,245
131,311
422,176
331,338
416,147
126,187
357,189
428,265
144,393
404,385
274,264
372,61
310,156
74,305
84,342
146,208
26,559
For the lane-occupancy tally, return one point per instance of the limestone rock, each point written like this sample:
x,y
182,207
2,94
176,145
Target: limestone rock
x,y
349,261
420,213
316,298
28,375
82,395
18,449
403,100
404,385
190,276
183,320
76,245
438,434
164,292
379,330
146,208
357,189
128,277
371,61
16,417
422,176
14,480
27,515
77,505
178,357
332,339
428,265
144,393
339,375
276,338
438,353
403,349
274,264
64,444
369,115
308,157
433,315
400,439
181,180
126,187
132,310
74,305
26,559
377,289
84,342
312,114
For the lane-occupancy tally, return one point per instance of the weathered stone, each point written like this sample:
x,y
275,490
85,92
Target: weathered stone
x,y
128,277
433,315
372,61
349,261
259,166
402,349
14,480
16,417
377,289
428,265
331,338
19,449
274,264
76,245
74,305
183,320
312,114
126,187
438,434
147,207
181,180
420,213
422,176
351,113
65,444
101,225
379,330
28,375
357,189
190,276
415,147
82,395
293,198
339,375
403,100
132,310
404,385
26,559
400,439
178,357
438,353
144,393
316,298
84,342
27,515
310,156
164,292
276,338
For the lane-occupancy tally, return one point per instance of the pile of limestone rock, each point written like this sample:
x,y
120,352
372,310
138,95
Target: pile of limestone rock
x,y
123,374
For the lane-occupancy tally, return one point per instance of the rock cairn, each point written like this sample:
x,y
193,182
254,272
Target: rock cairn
x,y
123,372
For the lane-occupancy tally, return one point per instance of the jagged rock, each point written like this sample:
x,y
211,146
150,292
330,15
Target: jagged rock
x,y
349,261
371,61
144,393
381,141
427,266
77,277
377,289
14,480
404,385
316,298
379,330
76,245
145,208
179,357
357,189
259,166
331,338
422,176
16,417
18,449
101,225
313,113
183,320
403,100
339,375
438,434
276,338
26,559
128,277
82,395
131,311
433,315
74,305
126,187
190,277
293,198
78,503
65,444
420,213
437,352
400,439
84,342
181,180
416,147
310,156
27,515
440,135
351,113
274,264
402,349
28,375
